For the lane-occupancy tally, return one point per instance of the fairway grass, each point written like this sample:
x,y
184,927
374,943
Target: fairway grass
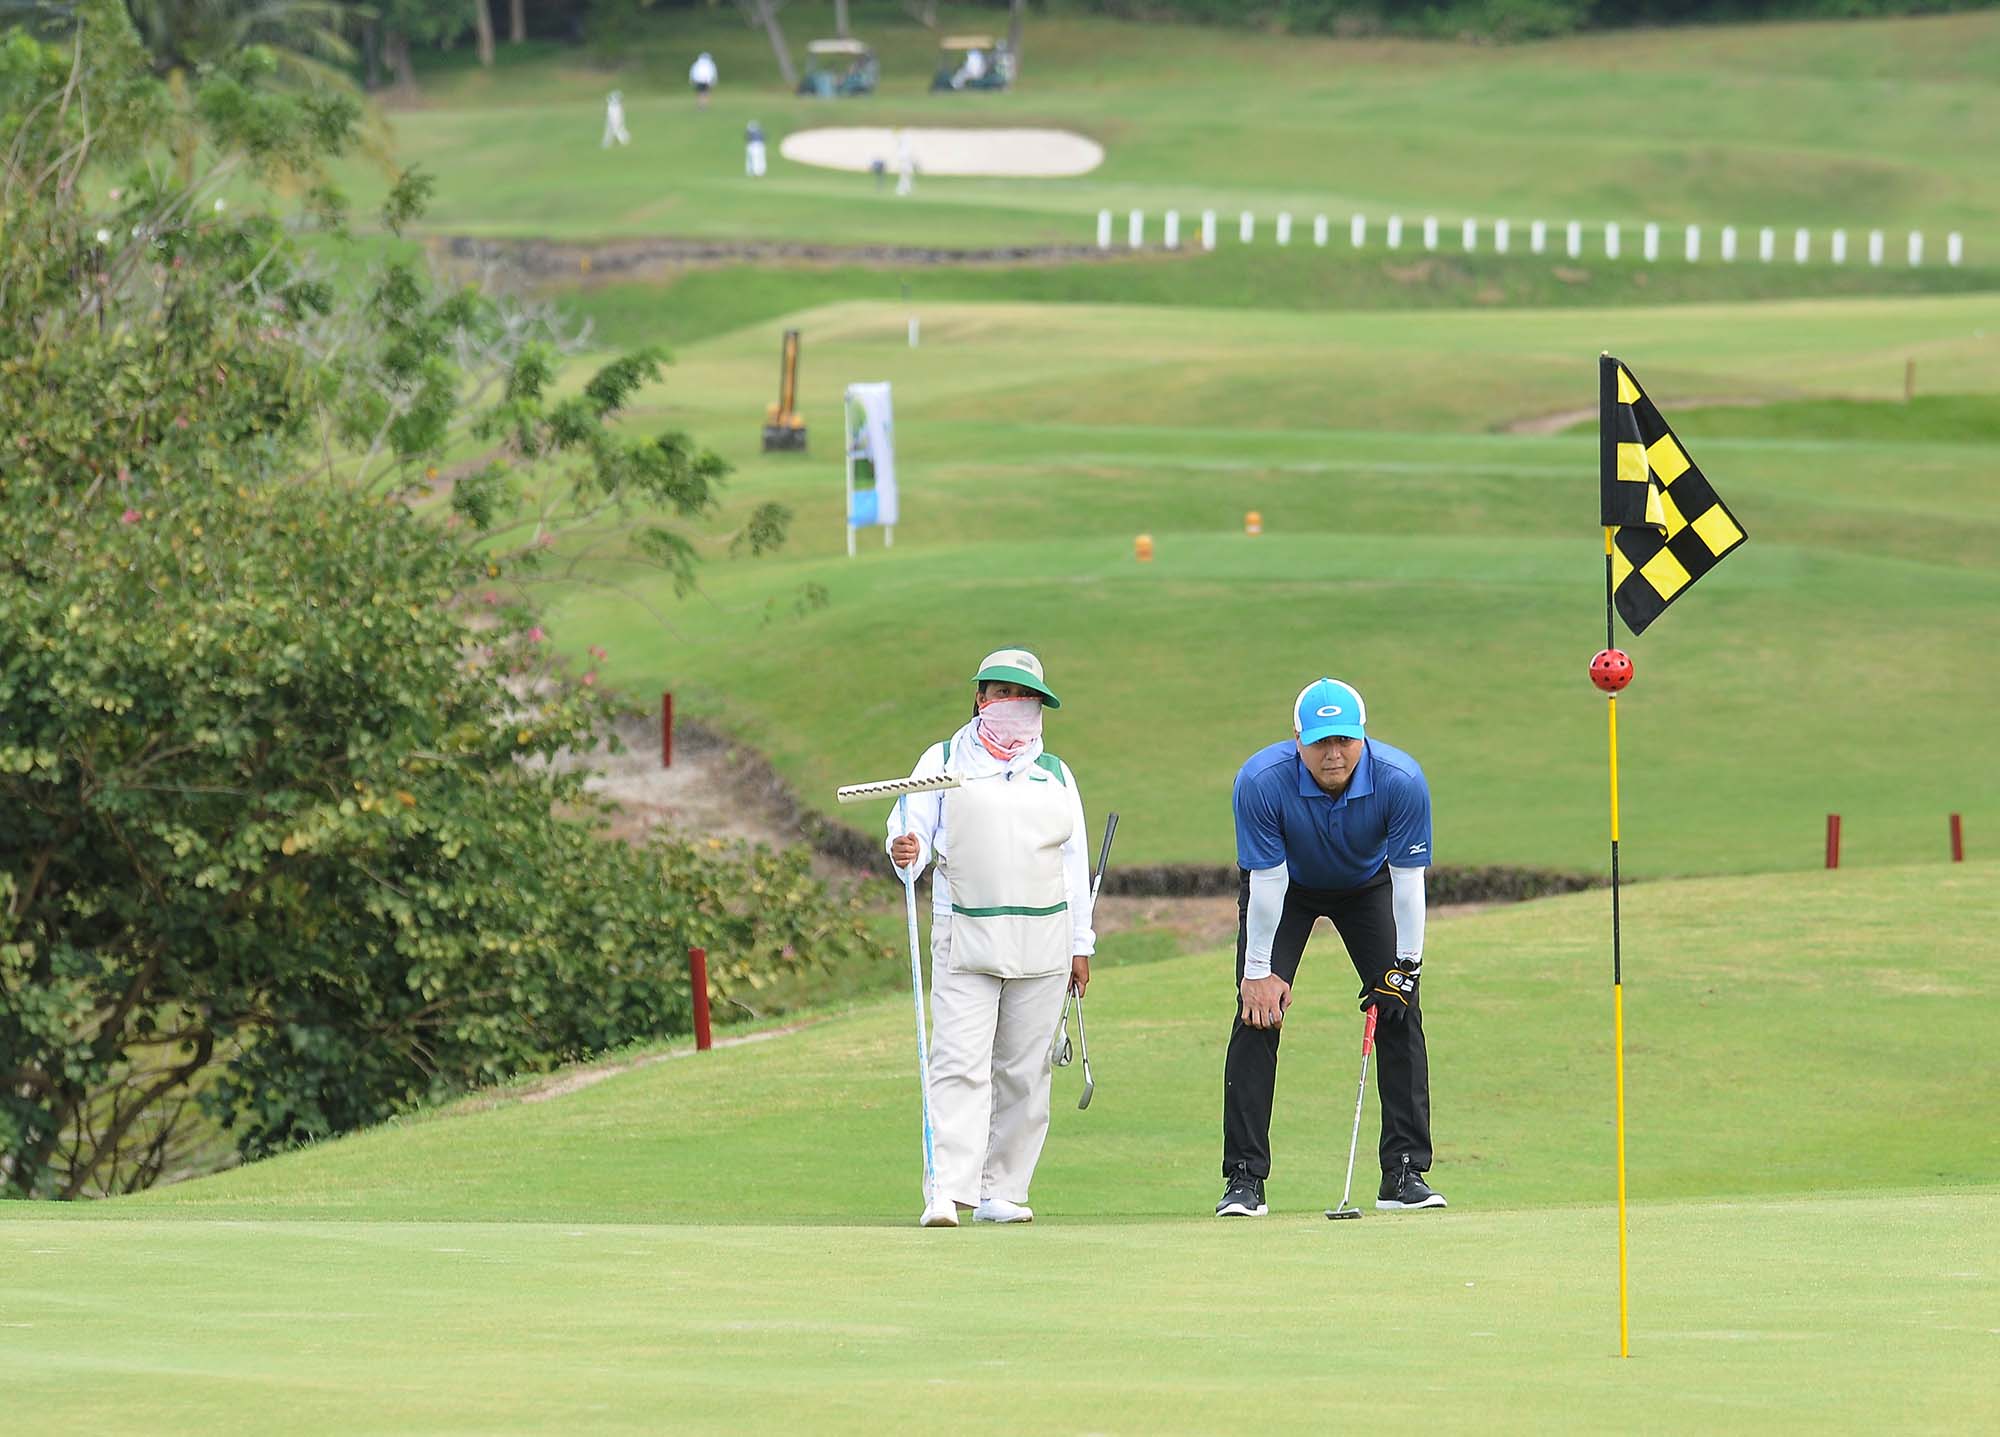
x,y
1854,124
728,1241
1846,1314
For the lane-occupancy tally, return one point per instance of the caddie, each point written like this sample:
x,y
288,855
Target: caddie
x,y
1329,824
1010,935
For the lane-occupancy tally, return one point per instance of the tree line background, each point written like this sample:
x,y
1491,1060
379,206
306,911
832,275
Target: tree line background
x,y
375,39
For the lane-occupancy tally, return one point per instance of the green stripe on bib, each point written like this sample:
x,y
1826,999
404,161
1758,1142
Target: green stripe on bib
x,y
1009,911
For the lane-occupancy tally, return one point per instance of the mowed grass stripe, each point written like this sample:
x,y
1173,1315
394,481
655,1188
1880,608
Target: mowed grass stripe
x,y
1833,1314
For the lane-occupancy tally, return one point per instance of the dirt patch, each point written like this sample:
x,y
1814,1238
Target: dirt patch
x,y
543,261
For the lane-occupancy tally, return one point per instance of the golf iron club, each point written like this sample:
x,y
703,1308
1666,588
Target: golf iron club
x,y
1076,998
1346,1208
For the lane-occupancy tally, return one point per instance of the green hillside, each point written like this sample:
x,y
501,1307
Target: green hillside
x,y
1855,124
1454,573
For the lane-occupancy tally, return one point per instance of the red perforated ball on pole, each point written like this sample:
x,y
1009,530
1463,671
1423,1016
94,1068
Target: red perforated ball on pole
x,y
1611,670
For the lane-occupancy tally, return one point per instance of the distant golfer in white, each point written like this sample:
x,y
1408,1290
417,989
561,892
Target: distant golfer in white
x,y
753,150
702,75
614,120
906,162
972,71
1010,935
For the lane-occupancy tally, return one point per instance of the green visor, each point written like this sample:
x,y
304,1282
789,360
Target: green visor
x,y
1013,674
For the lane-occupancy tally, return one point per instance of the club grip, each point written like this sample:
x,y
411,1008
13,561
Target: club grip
x,y
1104,853
1368,1033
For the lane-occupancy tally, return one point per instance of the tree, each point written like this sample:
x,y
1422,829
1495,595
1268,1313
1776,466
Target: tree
x,y
517,21
482,19
285,851
765,13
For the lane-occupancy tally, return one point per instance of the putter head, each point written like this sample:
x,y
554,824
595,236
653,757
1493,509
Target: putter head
x,y
1340,1212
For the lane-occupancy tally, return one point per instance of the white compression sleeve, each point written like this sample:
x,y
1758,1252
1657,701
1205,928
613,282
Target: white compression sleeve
x,y
1260,925
1406,889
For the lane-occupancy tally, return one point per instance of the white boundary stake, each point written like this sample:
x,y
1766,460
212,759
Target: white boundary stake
x,y
901,789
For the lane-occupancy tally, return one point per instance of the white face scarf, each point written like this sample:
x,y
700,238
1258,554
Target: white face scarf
x,y
1006,726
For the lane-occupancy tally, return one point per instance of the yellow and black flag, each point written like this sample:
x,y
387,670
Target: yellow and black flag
x,y
1671,527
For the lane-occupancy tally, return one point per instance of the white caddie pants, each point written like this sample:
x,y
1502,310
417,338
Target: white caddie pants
x,y
989,1074
753,159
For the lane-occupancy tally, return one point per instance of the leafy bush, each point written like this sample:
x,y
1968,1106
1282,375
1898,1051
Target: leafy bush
x,y
277,847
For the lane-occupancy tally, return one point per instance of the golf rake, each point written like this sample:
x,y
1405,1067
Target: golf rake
x,y
900,789
1346,1208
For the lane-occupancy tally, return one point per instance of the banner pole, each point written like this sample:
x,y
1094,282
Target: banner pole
x,y
1617,982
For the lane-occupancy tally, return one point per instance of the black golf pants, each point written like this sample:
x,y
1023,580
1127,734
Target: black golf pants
x,y
1366,923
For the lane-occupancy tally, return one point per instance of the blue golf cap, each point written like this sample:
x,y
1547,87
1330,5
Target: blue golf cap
x,y
1328,708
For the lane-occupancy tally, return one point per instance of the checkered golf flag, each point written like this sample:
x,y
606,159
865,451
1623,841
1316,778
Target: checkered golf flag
x,y
1670,526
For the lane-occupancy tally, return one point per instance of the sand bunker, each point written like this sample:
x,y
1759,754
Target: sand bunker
x,y
1038,154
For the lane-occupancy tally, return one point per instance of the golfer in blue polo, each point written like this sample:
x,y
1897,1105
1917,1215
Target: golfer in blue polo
x,y
1329,824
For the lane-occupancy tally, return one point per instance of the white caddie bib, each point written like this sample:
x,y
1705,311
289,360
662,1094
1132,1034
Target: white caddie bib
x,y
1009,905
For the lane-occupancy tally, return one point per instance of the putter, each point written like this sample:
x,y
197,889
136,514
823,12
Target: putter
x,y
1346,1208
900,789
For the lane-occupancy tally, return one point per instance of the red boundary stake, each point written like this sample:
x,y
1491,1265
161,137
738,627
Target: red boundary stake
x,y
1957,840
666,730
1833,840
698,987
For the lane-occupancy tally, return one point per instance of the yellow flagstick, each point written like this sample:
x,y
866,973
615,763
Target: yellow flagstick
x,y
1617,965
1618,1046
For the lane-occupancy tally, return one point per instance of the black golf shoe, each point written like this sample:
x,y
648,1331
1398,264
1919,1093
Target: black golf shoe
x,y
1244,1197
1404,1188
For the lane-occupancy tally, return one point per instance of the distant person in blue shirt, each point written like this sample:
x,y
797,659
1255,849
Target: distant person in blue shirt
x,y
1330,824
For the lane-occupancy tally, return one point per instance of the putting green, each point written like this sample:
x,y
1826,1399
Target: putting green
x,y
728,1240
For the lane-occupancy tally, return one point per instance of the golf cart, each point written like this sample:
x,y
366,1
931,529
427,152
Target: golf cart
x,y
839,67
972,62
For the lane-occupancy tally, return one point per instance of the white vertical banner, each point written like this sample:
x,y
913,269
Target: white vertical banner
x,y
1319,231
1246,228
1395,232
1208,229
1954,248
1104,229
1840,246
1573,240
1173,229
1468,236
1135,229
871,461
1357,231
1284,229
1500,232
1611,241
1649,242
1729,244
1538,237
1693,243
1430,232
1802,246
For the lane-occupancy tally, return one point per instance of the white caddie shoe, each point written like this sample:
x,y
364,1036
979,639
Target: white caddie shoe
x,y
1000,1210
941,1212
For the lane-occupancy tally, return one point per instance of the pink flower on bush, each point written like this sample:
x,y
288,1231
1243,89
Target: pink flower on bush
x,y
547,541
535,635
124,475
130,516
180,421
491,596
597,653
590,679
